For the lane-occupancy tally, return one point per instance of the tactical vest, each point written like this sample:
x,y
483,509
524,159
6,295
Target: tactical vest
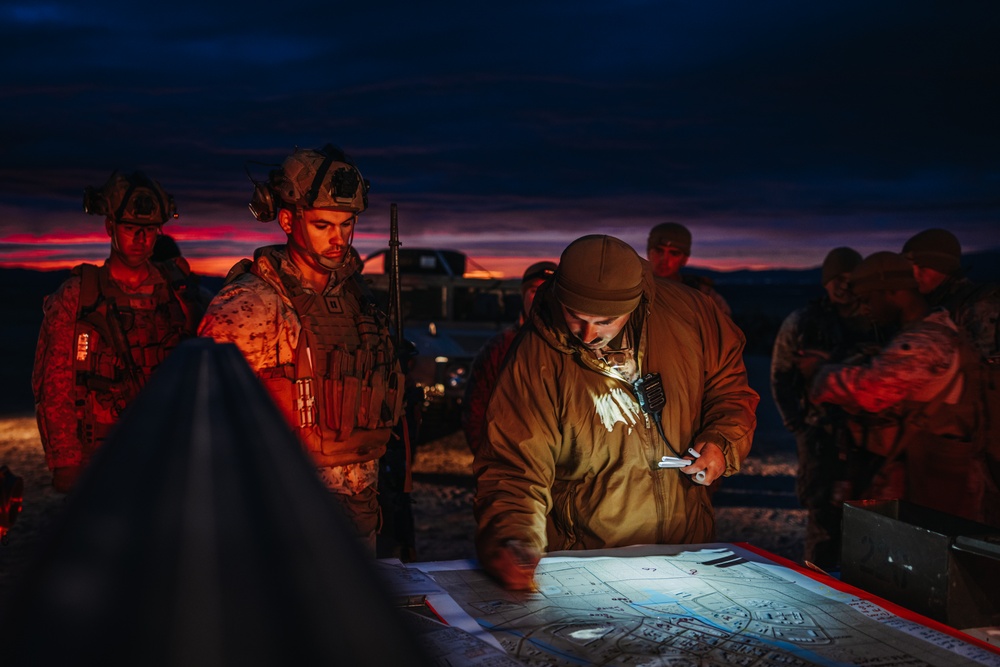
x,y
120,339
344,391
950,445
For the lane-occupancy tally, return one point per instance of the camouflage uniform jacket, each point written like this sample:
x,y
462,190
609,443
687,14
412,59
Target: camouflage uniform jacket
x,y
913,366
975,309
818,326
924,379
482,378
570,456
80,381
326,359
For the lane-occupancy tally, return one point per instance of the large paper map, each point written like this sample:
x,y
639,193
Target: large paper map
x,y
713,606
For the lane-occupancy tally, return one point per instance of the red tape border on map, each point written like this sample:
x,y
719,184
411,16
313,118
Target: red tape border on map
x,y
890,607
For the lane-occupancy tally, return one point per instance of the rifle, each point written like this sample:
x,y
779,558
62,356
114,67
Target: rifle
x,y
395,297
133,374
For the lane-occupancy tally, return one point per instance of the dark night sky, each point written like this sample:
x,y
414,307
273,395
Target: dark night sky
x,y
774,130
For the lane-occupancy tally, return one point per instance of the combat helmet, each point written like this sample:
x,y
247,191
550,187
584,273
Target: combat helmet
x,y
323,178
133,198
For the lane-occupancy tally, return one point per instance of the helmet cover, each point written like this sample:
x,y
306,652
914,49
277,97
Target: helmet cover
x,y
324,178
133,198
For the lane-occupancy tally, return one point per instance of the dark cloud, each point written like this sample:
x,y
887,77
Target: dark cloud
x,y
541,120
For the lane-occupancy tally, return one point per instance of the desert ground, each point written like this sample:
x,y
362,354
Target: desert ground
x,y
755,506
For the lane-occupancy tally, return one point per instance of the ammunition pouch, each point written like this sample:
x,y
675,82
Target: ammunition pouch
x,y
326,412
148,325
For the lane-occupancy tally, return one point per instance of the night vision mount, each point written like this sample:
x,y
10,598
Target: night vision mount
x,y
323,178
132,198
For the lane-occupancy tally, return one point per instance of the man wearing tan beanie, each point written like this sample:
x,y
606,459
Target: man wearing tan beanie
x,y
613,371
923,388
936,255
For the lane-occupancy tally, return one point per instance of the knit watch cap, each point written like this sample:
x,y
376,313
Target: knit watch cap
x,y
538,271
839,261
936,249
882,271
599,275
672,234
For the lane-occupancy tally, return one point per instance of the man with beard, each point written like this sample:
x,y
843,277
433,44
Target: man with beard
x,y
622,400
827,453
107,328
309,327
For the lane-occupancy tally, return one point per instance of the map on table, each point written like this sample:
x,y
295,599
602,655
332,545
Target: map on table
x,y
716,605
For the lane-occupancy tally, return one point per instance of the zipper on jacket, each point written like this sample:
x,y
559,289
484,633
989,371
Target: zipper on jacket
x,y
657,475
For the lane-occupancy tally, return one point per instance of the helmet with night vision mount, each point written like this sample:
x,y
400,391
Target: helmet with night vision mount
x,y
133,198
323,178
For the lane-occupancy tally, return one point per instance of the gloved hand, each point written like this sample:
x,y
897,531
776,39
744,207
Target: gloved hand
x,y
513,563
64,478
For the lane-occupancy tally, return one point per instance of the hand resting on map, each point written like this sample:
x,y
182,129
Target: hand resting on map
x,y
513,563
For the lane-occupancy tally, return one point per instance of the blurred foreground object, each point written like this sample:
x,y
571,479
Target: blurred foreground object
x,y
11,497
201,535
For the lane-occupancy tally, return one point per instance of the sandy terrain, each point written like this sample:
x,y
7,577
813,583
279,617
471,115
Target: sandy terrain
x,y
442,498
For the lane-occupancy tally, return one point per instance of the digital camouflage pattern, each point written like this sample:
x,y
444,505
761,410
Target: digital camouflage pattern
x,y
80,381
911,367
326,359
975,309
925,384
831,462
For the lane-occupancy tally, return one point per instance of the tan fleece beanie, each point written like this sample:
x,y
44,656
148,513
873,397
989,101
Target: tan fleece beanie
x,y
599,275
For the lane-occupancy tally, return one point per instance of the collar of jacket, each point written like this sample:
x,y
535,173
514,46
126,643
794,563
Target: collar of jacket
x,y
547,321
272,263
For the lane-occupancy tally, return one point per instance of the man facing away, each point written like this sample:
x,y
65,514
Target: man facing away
x,y
107,328
936,255
925,377
486,365
613,371
306,323
669,249
827,455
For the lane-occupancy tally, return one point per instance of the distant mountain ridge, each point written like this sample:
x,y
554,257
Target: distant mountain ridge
x,y
760,301
983,267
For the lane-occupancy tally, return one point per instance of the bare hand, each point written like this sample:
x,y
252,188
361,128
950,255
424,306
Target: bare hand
x,y
707,458
513,564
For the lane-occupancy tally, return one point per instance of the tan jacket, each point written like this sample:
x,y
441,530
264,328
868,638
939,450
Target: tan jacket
x,y
570,461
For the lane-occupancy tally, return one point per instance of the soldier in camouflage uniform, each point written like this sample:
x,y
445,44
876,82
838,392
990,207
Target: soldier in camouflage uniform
x,y
936,256
308,326
668,249
486,365
827,453
107,328
926,379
